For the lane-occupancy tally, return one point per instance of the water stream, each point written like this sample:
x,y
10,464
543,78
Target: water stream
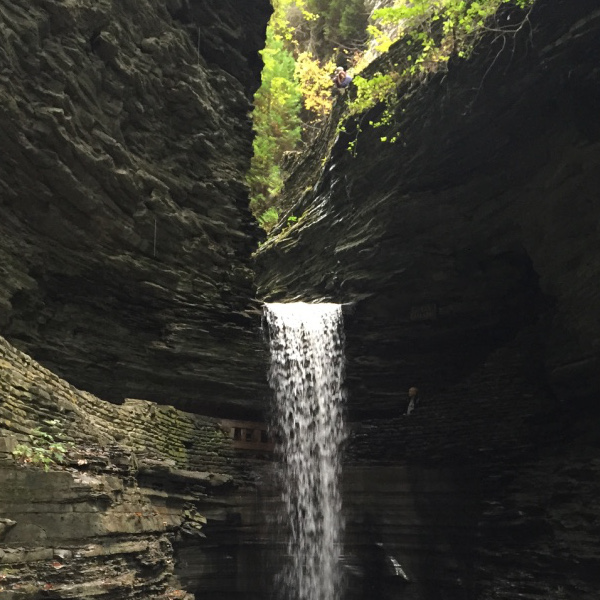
x,y
307,365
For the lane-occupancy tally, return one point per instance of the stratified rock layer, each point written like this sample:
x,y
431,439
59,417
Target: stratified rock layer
x,y
479,222
147,501
467,253
124,228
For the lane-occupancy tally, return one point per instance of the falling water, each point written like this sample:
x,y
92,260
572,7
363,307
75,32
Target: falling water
x,y
307,364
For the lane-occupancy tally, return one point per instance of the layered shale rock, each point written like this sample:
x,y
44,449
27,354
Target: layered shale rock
x,y
124,228
148,501
466,253
478,222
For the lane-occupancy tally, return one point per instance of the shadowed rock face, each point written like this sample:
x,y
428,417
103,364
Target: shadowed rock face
x,y
479,222
124,228
467,249
141,501
467,253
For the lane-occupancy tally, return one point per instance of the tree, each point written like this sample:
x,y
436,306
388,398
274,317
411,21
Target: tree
x,y
296,86
341,24
276,122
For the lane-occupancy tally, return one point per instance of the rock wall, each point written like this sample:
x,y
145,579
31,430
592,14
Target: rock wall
x,y
148,502
463,233
466,255
485,491
125,234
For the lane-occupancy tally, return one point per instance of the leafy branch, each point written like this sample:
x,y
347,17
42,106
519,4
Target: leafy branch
x,y
432,31
43,450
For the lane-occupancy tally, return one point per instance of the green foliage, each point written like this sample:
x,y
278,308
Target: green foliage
x,y
43,450
276,120
440,28
295,93
340,24
302,38
353,23
269,218
371,91
433,31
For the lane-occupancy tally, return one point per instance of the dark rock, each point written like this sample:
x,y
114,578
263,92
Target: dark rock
x,y
462,234
467,256
125,235
108,520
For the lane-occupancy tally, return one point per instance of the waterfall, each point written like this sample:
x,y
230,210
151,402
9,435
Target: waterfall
x,y
307,364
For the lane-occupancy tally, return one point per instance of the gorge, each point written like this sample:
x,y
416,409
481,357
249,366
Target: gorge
x,y
131,292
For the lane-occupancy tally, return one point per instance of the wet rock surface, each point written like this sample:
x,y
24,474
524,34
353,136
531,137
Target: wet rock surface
x,y
124,229
147,502
466,253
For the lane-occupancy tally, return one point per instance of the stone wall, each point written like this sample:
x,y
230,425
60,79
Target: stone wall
x,y
498,410
148,498
525,529
487,490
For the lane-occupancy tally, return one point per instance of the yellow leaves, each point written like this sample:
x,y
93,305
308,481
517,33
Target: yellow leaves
x,y
281,90
382,39
459,25
315,83
309,16
301,4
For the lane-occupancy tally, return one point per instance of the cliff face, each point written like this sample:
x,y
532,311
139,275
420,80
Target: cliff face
x,y
124,229
467,255
477,223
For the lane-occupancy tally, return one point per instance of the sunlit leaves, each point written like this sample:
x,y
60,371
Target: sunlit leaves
x,y
432,31
315,84
276,121
295,94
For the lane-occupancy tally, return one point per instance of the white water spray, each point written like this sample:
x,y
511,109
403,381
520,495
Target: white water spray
x,y
307,365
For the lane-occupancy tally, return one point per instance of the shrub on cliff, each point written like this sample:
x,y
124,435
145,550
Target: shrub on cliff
x,y
42,450
432,32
